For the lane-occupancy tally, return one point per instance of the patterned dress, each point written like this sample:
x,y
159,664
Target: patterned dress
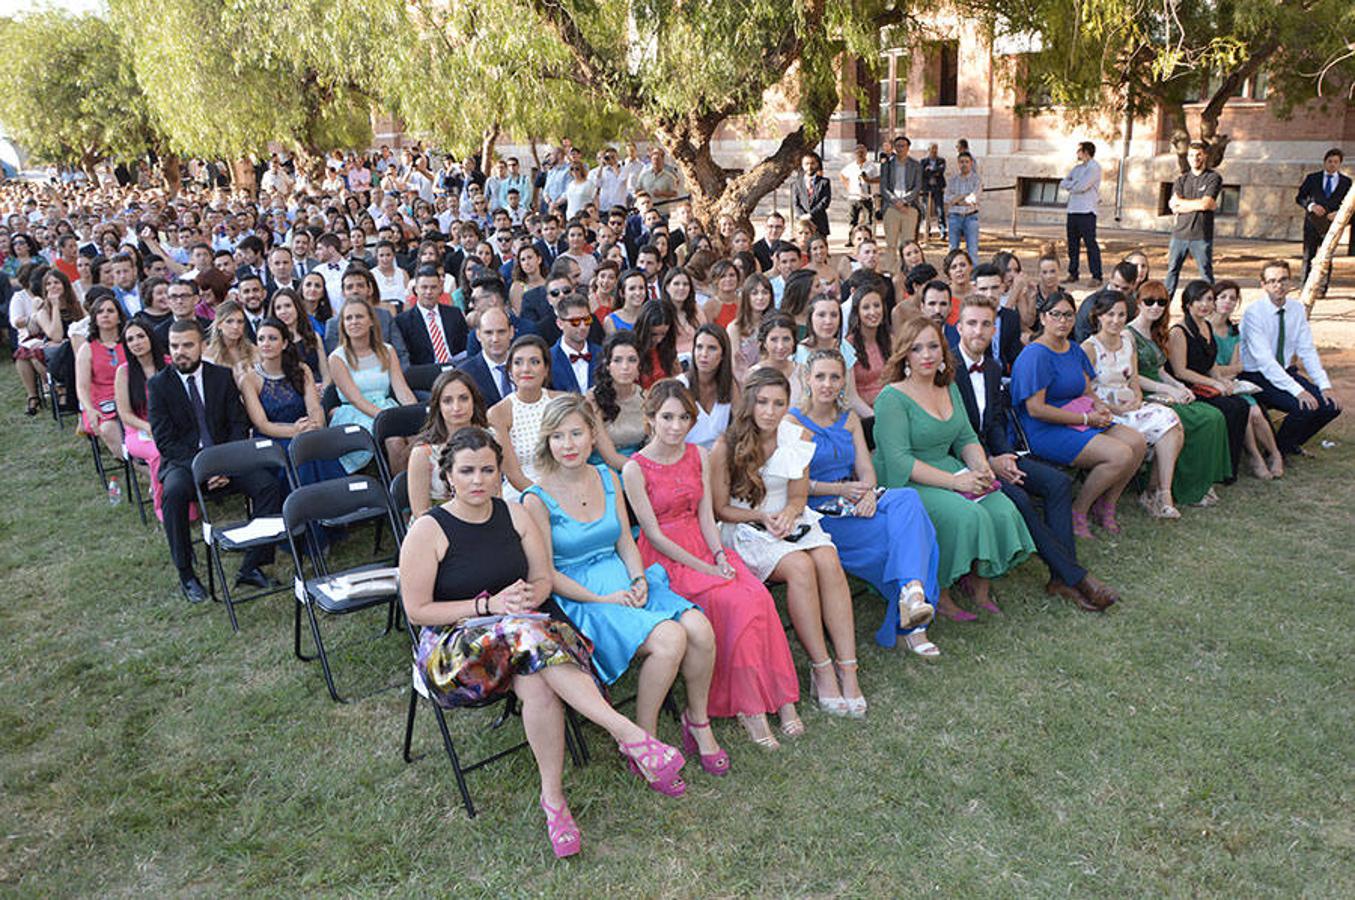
x,y
1113,372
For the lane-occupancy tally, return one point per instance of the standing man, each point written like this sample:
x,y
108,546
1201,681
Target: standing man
x,y
659,181
812,193
962,206
610,178
1194,198
857,177
1275,335
1083,185
900,198
1321,195
934,188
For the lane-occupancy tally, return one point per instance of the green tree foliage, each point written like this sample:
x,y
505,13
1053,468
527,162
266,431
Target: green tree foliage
x,y
1141,54
67,91
216,89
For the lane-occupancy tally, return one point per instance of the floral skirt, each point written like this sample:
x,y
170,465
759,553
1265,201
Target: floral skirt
x,y
467,666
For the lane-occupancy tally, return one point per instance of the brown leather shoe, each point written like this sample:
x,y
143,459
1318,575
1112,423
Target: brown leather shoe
x,y
1057,588
1098,592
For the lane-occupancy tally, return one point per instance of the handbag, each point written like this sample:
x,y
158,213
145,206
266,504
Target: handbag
x,y
1083,405
1204,391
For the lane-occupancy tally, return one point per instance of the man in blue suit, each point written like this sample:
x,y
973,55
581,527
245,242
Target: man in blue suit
x,y
574,359
1321,195
1006,344
979,380
489,364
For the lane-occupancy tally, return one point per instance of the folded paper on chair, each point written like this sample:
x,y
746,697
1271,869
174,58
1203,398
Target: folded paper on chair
x,y
358,585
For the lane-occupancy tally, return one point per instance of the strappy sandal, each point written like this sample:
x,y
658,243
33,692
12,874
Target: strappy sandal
x,y
793,726
565,838
914,610
34,404
856,706
766,741
657,763
716,763
918,642
834,706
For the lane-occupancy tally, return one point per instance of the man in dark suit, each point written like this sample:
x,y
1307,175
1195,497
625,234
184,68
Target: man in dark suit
x,y
194,404
979,379
432,332
1321,195
935,302
253,298
765,247
574,360
488,365
1006,343
811,193
552,242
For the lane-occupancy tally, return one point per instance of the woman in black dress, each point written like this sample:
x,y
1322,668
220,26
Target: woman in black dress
x,y
483,635
1192,357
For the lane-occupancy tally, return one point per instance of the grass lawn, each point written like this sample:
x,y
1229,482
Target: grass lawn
x,y
1195,740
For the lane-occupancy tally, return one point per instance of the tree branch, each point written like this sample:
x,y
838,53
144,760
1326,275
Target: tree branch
x,y
598,71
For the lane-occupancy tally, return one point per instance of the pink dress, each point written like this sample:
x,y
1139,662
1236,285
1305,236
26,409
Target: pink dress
x,y
869,382
103,364
754,672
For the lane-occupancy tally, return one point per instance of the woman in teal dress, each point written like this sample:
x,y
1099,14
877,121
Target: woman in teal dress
x,y
923,440
1260,438
600,581
366,373
882,536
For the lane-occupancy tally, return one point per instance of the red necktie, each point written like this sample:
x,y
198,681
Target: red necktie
x,y
575,357
440,352
976,367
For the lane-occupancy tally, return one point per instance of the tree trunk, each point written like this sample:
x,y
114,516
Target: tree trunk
x,y
1321,267
717,191
487,147
173,172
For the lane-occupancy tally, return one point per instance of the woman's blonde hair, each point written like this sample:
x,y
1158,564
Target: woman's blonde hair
x,y
374,336
243,356
552,417
840,401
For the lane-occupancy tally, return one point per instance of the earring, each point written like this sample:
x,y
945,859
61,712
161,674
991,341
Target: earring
x,y
941,366
906,369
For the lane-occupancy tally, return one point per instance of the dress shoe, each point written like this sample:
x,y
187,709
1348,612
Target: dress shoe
x,y
256,578
1098,592
193,591
1058,589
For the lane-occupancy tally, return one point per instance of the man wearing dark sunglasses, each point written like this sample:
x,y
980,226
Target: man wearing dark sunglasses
x,y
574,358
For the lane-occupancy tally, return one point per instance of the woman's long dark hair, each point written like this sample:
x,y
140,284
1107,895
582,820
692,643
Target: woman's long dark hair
x,y
688,308
724,373
1189,297
856,331
799,289
136,376
604,389
293,367
653,314
304,329
744,441
434,429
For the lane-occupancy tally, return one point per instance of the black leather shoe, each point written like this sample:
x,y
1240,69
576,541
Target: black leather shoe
x,y
193,590
255,578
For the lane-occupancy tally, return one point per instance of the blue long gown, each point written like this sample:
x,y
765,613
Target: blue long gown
x,y
282,403
889,549
586,552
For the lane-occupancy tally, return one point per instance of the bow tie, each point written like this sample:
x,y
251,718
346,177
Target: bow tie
x,y
575,357
976,367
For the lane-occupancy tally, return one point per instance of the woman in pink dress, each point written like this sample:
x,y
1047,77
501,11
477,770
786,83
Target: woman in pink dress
x,y
96,362
146,356
667,485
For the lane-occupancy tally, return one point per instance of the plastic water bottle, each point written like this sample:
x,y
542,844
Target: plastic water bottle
x,y
114,491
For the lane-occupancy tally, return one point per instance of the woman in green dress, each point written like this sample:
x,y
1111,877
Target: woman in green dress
x,y
923,440
1204,458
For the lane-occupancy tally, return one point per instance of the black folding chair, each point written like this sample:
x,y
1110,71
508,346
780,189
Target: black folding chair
x,y
329,400
397,422
232,460
102,457
316,504
421,378
400,500
132,467
334,442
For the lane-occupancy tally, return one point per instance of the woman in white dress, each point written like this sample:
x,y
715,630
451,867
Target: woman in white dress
x,y
453,403
711,381
760,492
1117,385
516,419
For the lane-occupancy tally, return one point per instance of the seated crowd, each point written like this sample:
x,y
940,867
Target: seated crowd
x,y
639,425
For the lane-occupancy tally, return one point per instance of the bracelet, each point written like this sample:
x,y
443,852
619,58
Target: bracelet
x,y
483,595
1085,420
718,553
637,578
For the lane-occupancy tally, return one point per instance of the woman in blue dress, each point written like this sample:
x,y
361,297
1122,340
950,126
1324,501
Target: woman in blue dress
x,y
600,581
366,372
882,536
1066,423
280,396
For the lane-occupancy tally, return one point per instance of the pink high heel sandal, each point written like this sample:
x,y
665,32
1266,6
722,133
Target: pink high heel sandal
x,y
716,763
651,760
565,838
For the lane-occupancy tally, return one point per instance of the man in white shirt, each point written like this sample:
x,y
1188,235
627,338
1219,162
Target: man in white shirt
x,y
786,260
1083,184
276,179
858,176
1275,333
610,178
331,268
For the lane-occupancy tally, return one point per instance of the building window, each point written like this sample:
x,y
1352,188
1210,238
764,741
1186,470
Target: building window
x,y
943,74
893,109
1042,192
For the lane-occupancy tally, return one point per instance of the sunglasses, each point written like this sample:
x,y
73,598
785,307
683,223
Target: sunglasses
x,y
578,321
560,292
1153,301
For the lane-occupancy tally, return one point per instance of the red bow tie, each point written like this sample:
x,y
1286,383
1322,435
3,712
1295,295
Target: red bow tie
x,y
976,367
575,357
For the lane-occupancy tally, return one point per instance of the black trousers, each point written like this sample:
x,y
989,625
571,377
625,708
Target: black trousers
x,y
1052,526
1299,424
1082,229
262,488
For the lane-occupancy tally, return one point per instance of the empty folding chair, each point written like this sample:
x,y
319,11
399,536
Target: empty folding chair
x,y
333,443
317,586
420,378
397,422
257,459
